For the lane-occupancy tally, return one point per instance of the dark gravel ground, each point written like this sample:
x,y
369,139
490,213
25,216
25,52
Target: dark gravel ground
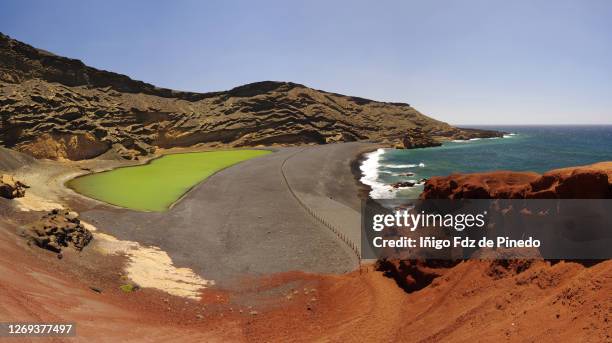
x,y
244,221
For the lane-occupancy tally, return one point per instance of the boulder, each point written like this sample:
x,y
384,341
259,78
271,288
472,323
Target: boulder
x,y
11,188
56,230
403,184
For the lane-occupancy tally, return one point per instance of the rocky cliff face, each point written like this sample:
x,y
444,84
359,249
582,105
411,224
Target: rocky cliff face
x,y
59,108
585,182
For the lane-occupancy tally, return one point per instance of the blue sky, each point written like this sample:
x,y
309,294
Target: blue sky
x,y
464,62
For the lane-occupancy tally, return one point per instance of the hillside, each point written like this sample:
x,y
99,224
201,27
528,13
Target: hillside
x,y
59,108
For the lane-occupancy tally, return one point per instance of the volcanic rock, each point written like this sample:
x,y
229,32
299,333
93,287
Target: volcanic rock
x,y
403,184
413,275
56,230
591,182
416,138
584,182
467,134
59,108
11,188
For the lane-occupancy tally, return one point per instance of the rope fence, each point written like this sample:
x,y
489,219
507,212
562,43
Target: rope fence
x,y
352,245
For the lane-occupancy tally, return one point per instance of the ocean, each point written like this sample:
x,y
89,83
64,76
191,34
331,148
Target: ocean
x,y
524,148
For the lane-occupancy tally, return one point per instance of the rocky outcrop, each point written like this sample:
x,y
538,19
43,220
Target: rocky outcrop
x,y
65,146
11,188
499,184
56,107
585,182
56,230
417,138
413,275
466,134
403,184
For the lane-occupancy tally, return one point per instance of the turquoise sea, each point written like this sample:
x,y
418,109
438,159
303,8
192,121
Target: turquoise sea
x,y
524,148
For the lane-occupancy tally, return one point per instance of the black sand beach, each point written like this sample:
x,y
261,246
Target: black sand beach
x,y
244,219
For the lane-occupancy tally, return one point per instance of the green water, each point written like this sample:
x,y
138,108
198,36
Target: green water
x,y
155,186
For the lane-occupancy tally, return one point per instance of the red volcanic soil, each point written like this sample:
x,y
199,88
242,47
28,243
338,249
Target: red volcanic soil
x,y
585,182
472,301
36,286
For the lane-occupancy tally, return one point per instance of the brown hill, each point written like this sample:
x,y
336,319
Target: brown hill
x,y
59,108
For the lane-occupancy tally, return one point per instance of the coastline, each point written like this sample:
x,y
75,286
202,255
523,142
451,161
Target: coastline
x,y
520,148
464,135
364,190
485,136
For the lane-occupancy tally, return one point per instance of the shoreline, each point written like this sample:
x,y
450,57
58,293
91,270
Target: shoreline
x,y
362,158
364,190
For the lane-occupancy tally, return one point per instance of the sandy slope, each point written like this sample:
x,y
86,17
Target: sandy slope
x,y
36,287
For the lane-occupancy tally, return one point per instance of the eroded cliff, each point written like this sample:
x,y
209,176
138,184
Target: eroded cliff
x,y
59,108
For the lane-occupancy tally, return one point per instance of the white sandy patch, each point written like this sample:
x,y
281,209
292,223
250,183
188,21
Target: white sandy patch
x,y
151,267
31,202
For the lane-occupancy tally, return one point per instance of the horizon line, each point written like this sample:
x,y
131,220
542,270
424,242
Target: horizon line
x,y
536,124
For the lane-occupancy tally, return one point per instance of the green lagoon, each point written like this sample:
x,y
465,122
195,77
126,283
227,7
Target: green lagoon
x,y
157,185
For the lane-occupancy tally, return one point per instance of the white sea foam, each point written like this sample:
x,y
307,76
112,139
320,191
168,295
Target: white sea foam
x,y
467,140
477,138
387,172
370,173
395,166
369,170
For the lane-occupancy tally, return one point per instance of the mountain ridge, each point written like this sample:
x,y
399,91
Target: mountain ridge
x,y
59,108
